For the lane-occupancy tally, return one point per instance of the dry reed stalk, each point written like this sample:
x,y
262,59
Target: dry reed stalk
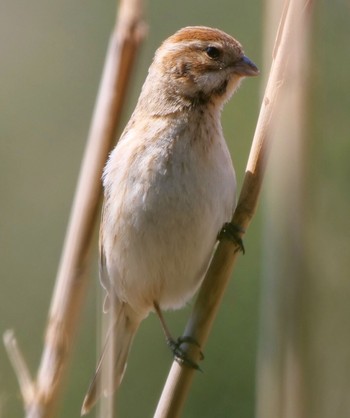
x,y
281,388
40,397
199,325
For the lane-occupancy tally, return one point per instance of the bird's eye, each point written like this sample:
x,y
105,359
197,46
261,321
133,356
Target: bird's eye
x,y
213,52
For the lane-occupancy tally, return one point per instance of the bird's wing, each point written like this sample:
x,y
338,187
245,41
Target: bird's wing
x,y
103,273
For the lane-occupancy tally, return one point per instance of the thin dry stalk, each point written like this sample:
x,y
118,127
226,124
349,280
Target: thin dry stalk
x,y
199,325
71,278
281,387
23,375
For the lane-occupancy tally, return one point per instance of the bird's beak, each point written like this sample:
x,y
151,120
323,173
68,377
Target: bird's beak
x,y
246,68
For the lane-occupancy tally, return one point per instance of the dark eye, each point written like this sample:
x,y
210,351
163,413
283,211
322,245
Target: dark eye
x,y
213,52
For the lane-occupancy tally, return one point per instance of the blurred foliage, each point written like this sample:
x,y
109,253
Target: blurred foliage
x,y
52,57
327,291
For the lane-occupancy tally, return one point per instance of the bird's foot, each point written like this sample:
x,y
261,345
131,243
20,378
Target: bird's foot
x,y
180,355
233,233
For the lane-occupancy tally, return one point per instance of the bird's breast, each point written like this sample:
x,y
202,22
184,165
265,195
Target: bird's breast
x,y
166,204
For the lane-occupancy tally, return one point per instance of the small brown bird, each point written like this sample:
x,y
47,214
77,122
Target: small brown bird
x,y
169,186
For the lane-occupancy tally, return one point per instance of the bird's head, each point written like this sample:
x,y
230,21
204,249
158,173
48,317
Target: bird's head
x,y
202,64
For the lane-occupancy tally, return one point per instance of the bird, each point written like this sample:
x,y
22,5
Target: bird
x,y
169,187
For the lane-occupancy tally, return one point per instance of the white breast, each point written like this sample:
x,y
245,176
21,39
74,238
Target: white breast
x,y
166,201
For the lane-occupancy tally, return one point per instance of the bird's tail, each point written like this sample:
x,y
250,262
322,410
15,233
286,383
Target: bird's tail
x,y
115,352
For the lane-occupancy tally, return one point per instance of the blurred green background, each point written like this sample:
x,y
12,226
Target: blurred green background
x,y
51,60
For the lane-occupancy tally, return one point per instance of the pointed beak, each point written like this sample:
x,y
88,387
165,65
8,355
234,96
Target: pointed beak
x,y
246,68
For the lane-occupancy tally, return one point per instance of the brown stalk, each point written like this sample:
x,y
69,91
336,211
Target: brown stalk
x,y
199,325
281,382
40,397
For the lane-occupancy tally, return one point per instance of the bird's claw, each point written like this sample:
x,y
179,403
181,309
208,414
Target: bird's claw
x,y
180,355
233,233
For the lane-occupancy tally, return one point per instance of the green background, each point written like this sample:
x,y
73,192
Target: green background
x,y
52,55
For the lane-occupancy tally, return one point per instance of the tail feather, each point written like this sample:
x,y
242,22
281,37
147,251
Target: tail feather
x,y
115,351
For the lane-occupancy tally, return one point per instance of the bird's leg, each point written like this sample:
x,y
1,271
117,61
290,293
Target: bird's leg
x,y
233,233
175,345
